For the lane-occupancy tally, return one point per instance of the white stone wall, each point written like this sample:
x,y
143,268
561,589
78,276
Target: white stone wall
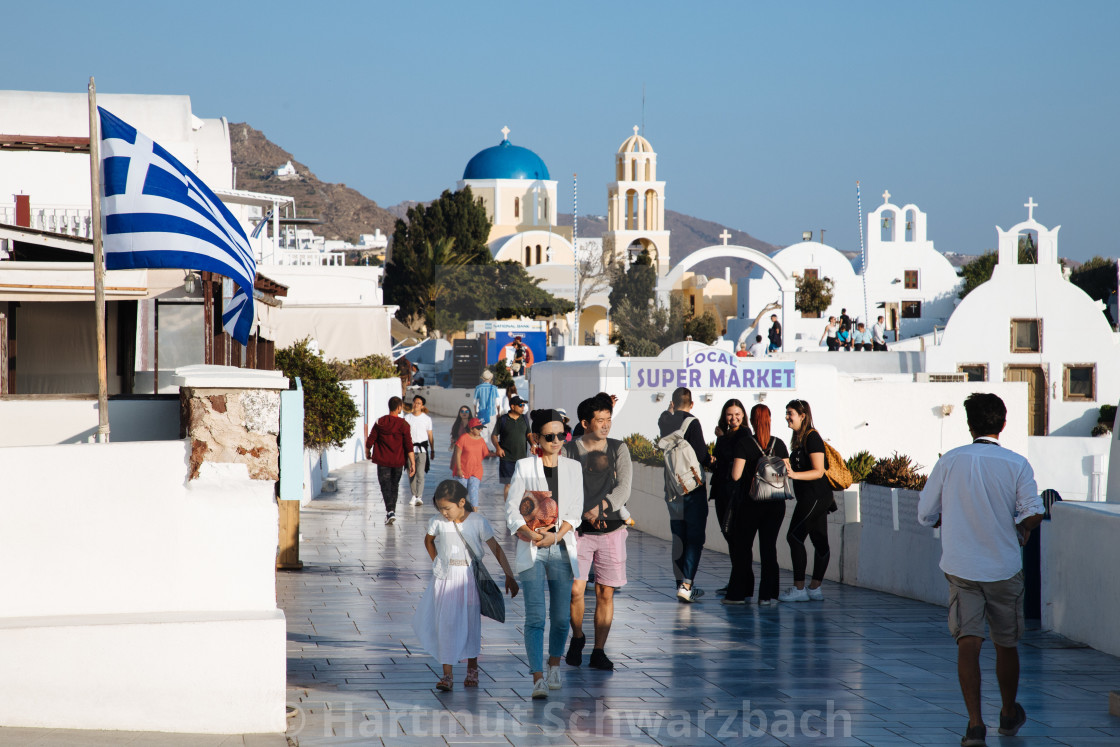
x,y
143,587
72,421
1081,588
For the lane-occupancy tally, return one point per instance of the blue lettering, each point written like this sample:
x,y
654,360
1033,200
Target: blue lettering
x,y
641,375
682,377
748,377
716,378
666,377
762,380
733,379
789,378
694,377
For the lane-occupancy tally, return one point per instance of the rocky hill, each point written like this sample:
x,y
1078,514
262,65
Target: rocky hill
x,y
344,212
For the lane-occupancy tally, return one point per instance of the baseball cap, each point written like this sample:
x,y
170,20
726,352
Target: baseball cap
x,y
516,401
474,423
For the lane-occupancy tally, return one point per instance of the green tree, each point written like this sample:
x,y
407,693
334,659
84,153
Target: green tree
x,y
1097,277
499,290
977,272
455,215
703,328
814,295
329,411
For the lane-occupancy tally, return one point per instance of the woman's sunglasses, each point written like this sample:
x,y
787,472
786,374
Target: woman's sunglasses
x,y
551,437
464,412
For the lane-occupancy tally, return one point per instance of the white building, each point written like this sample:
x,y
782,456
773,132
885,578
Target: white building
x,y
1028,323
636,206
906,280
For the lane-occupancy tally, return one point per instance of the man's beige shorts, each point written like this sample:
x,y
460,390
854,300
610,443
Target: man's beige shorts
x,y
999,602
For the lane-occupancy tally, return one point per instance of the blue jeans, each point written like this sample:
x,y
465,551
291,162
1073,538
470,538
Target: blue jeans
x,y
471,484
553,568
688,518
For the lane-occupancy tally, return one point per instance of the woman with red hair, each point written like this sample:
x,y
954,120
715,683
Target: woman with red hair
x,y
763,518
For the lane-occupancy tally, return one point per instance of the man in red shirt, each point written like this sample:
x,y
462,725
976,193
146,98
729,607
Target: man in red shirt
x,y
389,446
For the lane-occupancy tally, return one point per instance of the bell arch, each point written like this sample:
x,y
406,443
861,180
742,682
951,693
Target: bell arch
x,y
786,284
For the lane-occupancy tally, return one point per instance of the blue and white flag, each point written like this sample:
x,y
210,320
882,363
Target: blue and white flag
x,y
156,213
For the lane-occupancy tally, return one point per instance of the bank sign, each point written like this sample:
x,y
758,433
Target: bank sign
x,y
711,368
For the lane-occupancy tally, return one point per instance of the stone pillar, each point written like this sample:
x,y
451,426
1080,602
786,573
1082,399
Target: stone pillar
x,y
231,416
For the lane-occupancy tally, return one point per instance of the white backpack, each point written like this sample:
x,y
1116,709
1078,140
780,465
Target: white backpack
x,y
683,473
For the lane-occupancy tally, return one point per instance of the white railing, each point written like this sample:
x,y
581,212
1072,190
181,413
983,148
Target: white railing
x,y
296,258
63,219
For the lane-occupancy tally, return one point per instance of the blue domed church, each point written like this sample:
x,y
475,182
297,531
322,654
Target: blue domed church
x,y
520,199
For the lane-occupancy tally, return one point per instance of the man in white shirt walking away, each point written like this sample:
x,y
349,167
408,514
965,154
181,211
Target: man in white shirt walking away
x,y
986,502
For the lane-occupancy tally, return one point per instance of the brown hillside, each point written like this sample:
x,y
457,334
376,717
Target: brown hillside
x,y
344,212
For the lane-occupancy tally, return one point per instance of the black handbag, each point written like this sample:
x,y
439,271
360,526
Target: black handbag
x,y
490,599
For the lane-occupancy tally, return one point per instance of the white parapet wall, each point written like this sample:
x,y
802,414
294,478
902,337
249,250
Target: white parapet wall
x,y
140,588
1080,559
896,553
372,398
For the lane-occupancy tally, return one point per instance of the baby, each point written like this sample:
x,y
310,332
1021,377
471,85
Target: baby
x,y
599,465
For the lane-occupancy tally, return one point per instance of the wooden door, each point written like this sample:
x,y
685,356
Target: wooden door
x,y
1036,396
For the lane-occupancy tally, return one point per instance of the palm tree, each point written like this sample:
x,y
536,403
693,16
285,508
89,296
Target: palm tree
x,y
436,258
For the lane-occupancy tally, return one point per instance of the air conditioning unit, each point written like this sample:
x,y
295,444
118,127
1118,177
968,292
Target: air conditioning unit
x,y
939,378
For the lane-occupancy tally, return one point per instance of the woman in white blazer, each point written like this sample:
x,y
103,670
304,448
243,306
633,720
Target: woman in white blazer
x,y
547,555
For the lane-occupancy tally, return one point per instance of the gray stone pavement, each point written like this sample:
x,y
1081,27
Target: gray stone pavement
x,y
860,668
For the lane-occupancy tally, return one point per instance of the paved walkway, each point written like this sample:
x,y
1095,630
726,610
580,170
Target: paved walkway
x,y
859,668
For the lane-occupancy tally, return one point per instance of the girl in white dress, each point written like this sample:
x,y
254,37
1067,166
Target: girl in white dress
x,y
448,619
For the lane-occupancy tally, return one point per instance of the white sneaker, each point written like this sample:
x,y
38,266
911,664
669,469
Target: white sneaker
x,y
765,602
417,501
690,595
553,678
390,518
540,689
816,594
793,594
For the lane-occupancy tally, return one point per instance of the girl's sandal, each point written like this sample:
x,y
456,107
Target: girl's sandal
x,y
471,680
445,683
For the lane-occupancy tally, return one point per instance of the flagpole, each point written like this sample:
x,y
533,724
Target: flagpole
x,y
98,268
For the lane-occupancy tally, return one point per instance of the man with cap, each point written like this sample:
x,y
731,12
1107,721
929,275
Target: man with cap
x,y
486,403
511,439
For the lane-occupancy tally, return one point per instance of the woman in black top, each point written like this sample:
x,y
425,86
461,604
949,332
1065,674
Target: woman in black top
x,y
807,465
763,518
729,430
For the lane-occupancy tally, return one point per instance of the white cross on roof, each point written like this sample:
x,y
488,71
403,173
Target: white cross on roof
x,y
1030,205
635,129
886,197
505,133
725,236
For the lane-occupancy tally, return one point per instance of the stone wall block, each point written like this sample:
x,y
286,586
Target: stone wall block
x,y
234,426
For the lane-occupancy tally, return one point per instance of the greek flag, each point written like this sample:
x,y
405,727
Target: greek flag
x,y
156,213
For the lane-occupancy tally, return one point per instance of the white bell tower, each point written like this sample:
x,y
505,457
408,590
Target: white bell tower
x,y
636,206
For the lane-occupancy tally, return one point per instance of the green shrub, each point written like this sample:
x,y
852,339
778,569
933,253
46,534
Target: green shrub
x,y
860,464
1108,416
1100,429
503,379
643,451
328,409
897,471
369,367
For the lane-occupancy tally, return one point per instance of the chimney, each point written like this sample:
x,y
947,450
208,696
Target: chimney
x,y
23,210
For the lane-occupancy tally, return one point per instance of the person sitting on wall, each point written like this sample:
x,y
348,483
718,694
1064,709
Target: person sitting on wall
x,y
759,349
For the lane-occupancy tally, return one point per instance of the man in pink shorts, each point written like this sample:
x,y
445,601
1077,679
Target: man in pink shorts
x,y
607,476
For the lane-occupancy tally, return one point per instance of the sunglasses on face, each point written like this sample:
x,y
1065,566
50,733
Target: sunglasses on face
x,y
551,437
464,412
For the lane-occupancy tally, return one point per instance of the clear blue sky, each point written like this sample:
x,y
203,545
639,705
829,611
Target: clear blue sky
x,y
763,115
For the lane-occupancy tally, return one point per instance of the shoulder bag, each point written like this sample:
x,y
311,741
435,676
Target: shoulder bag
x,y
490,599
771,479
